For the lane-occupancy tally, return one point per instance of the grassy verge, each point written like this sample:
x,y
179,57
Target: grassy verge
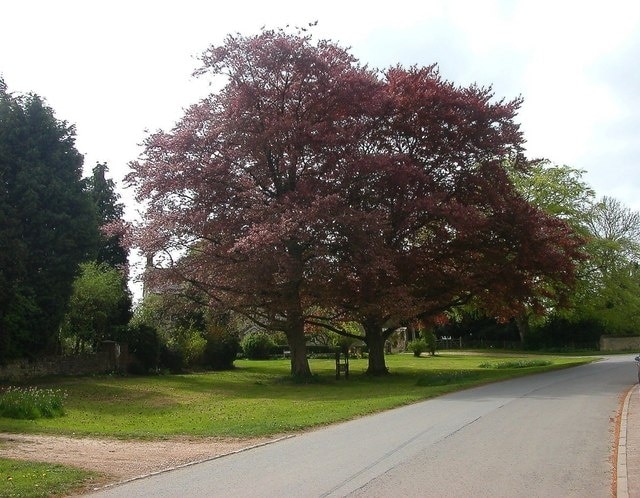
x,y
258,398
33,480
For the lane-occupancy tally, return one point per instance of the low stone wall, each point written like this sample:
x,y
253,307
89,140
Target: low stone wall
x,y
608,343
111,358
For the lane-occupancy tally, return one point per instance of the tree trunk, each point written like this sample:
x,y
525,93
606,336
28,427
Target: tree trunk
x,y
411,333
522,322
298,345
295,316
375,341
299,362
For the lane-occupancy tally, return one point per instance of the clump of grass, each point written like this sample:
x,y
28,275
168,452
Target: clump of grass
x,y
516,364
31,403
445,377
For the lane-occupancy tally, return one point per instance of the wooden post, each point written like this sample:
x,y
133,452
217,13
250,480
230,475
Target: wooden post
x,y
342,365
346,364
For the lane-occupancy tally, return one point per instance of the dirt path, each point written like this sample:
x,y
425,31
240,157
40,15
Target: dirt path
x,y
118,460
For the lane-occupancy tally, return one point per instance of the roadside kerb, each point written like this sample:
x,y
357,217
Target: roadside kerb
x,y
622,471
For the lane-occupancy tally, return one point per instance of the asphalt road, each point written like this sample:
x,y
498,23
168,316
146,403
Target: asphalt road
x,y
546,435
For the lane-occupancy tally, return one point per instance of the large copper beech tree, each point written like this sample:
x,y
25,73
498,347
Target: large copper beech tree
x,y
440,223
311,182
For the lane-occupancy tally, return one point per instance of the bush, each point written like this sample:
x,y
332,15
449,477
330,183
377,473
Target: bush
x,y
165,335
144,345
431,342
257,346
417,346
171,359
280,339
191,343
221,349
183,349
31,403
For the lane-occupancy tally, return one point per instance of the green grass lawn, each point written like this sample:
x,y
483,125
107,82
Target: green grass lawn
x,y
32,480
258,398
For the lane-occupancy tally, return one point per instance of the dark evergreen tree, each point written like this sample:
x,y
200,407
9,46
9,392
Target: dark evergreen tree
x,y
47,223
109,210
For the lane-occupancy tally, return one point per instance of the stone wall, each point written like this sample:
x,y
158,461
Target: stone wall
x,y
109,359
608,343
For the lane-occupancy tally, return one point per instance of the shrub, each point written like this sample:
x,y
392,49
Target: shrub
x,y
257,346
144,345
431,342
417,346
221,349
171,359
183,349
280,339
31,403
192,344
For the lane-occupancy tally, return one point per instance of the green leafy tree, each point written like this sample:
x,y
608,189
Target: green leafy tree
x,y
561,192
616,230
610,287
144,344
417,347
431,341
608,280
97,297
47,223
257,345
615,303
558,190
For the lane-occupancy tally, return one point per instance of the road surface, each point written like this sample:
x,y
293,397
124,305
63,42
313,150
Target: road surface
x,y
546,435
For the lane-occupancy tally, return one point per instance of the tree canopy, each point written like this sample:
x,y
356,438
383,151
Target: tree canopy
x,y
98,308
439,221
312,182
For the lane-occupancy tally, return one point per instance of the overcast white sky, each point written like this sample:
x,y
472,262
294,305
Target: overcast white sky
x,y
118,68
